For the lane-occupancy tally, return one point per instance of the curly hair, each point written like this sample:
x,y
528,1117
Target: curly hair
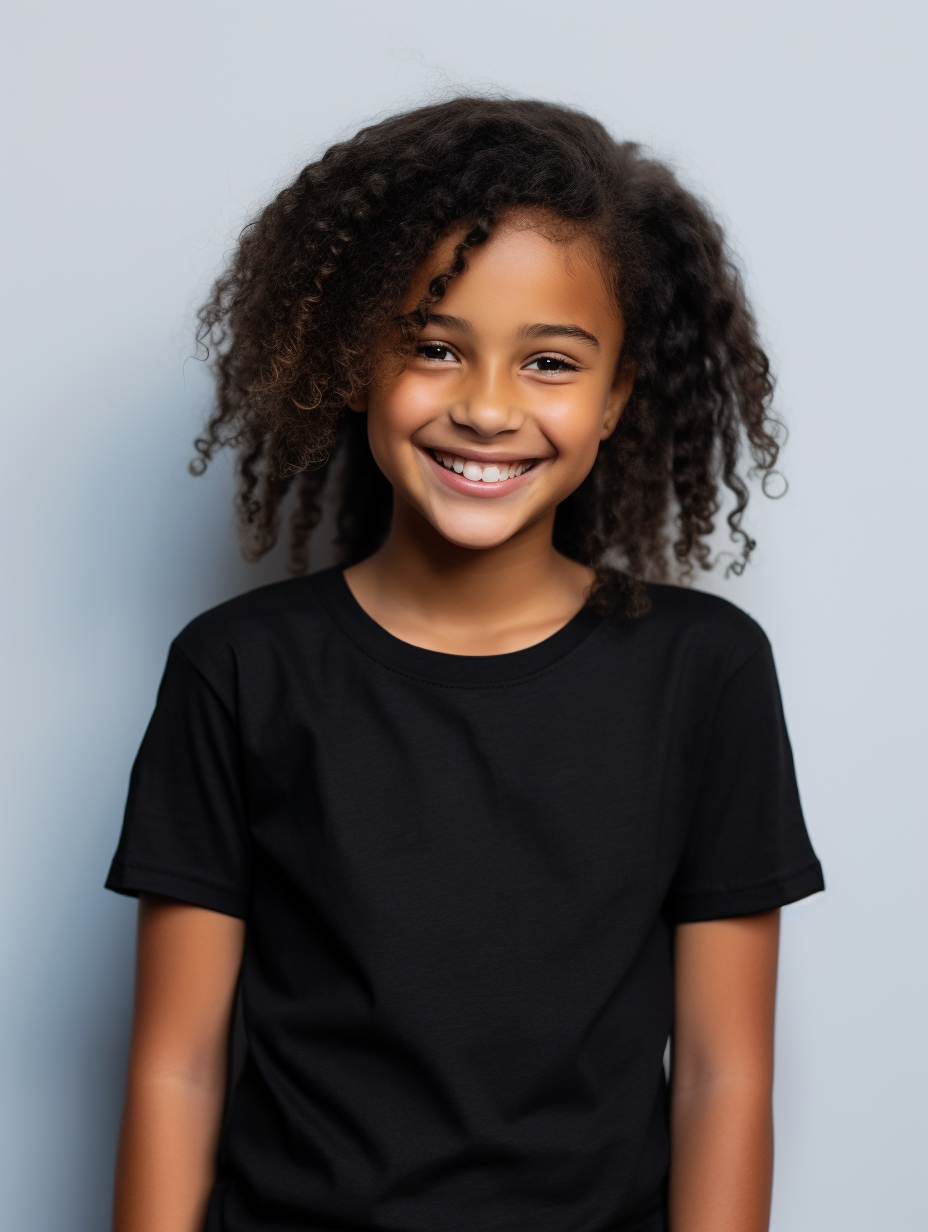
x,y
323,269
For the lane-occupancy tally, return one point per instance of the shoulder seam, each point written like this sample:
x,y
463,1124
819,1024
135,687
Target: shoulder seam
x,y
206,680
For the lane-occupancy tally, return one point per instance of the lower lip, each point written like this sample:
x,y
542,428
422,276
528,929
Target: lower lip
x,y
476,487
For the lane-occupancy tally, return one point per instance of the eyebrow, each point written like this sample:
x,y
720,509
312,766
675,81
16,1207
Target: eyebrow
x,y
458,323
562,331
527,331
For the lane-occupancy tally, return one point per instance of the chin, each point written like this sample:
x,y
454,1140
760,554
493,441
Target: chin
x,y
478,534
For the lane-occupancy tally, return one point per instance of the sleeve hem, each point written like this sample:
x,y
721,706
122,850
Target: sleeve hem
x,y
690,907
135,879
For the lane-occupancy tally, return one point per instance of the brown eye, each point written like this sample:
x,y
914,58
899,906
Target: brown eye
x,y
550,363
436,351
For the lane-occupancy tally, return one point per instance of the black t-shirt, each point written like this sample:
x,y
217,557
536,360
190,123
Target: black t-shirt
x,y
460,876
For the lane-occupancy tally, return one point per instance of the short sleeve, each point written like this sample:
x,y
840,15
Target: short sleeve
x,y
747,848
184,833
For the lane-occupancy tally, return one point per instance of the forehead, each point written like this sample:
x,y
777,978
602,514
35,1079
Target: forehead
x,y
526,271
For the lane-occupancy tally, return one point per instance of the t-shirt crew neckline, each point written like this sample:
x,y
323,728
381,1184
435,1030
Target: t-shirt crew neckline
x,y
464,670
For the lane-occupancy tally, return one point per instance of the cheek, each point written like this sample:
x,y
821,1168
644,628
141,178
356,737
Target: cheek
x,y
573,427
395,414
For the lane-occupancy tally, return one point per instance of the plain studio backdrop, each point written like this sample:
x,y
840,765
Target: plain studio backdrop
x,y
140,138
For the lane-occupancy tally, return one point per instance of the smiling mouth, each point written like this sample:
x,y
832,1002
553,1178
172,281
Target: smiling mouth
x,y
482,472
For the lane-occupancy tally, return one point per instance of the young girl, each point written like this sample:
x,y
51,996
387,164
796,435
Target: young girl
x,y
482,819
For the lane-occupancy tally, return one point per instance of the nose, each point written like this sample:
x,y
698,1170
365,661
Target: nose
x,y
489,404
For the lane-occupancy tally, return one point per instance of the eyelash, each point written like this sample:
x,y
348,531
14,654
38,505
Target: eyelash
x,y
565,364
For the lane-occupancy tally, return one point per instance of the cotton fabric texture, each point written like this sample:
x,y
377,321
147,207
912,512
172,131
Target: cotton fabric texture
x,y
460,877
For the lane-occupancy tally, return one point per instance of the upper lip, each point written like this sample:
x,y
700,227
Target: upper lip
x,y
471,455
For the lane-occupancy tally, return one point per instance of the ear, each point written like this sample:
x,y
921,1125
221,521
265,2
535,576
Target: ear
x,y
359,403
616,399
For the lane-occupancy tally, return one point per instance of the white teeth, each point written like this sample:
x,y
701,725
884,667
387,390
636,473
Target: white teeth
x,y
493,472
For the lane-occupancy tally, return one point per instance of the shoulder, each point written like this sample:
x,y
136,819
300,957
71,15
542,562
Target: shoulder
x,y
681,606
709,627
241,628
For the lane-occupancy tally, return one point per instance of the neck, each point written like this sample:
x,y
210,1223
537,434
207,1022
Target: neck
x,y
437,594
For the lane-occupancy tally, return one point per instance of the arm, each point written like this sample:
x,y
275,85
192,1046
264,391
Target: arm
x,y
722,1075
187,968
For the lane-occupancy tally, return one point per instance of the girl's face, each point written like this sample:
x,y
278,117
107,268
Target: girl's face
x,y
498,415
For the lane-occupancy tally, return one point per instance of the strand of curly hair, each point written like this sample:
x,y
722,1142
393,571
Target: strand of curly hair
x,y
324,268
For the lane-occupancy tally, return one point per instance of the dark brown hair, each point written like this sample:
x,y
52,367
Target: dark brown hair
x,y
321,271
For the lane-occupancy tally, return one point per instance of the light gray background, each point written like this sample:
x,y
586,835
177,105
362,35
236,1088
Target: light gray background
x,y
140,137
